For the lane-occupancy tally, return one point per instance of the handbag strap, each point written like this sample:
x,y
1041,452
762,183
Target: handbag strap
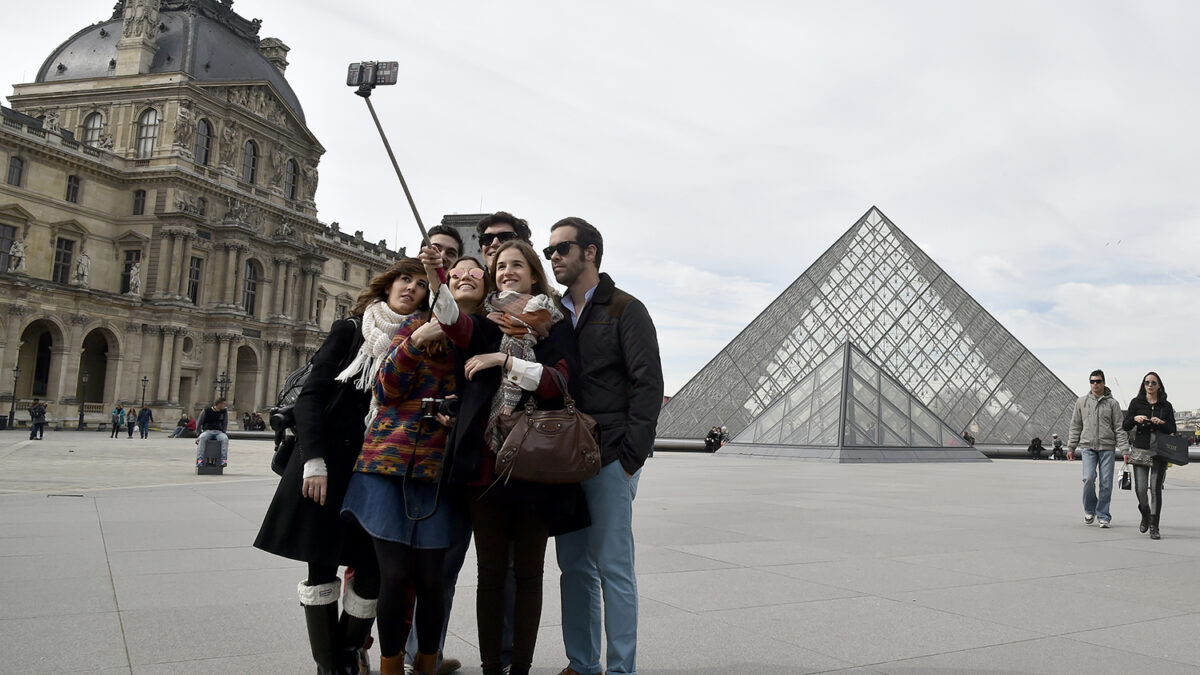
x,y
562,387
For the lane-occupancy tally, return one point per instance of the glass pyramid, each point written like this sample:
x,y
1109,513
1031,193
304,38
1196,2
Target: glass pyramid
x,y
848,401
878,289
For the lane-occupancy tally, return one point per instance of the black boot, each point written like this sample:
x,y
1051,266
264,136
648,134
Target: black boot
x,y
356,640
1145,524
493,669
321,618
1154,527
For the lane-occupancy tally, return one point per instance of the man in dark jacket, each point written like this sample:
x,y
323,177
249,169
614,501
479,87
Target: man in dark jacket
x,y
621,386
213,423
37,420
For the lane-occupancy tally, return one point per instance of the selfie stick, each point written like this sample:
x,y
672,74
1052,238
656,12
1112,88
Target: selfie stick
x,y
366,74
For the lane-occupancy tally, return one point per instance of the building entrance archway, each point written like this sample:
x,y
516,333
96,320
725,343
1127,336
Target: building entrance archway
x,y
244,388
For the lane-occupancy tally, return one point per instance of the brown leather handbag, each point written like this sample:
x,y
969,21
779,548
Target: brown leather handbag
x,y
548,446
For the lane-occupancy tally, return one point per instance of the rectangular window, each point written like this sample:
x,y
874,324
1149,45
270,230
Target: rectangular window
x,y
73,189
345,271
63,252
193,289
16,170
132,257
7,235
139,202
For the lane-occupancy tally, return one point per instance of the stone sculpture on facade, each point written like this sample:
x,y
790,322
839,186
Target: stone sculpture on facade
x,y
135,279
50,121
278,165
310,180
185,127
83,267
16,257
226,143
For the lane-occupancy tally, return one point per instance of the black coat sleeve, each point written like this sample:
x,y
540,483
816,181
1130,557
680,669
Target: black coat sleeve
x,y
313,430
639,344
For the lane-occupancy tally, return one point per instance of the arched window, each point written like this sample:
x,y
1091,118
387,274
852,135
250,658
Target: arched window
x,y
249,162
250,286
92,126
147,133
16,171
290,178
203,147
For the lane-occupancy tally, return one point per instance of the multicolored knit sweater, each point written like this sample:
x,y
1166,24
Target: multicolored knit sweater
x,y
398,438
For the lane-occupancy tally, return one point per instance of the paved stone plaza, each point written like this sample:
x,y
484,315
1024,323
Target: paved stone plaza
x,y
117,558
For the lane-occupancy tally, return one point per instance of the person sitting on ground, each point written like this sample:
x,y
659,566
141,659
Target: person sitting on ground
x,y
1057,448
180,426
1035,448
213,423
713,439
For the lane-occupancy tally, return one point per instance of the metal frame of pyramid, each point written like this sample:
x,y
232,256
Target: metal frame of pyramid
x,y
848,409
877,288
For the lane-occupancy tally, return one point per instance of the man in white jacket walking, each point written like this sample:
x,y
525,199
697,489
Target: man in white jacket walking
x,y
1096,432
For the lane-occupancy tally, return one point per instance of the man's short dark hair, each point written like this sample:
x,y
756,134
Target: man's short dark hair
x,y
1098,373
451,232
585,233
219,401
505,218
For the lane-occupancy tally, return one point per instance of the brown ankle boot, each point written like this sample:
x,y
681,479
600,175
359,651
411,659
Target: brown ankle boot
x,y
425,664
391,665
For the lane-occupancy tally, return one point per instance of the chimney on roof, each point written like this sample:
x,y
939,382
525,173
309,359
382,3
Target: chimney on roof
x,y
139,37
275,51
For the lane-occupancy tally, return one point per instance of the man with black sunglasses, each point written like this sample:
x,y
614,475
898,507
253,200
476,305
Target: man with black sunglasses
x,y
497,228
1096,431
621,386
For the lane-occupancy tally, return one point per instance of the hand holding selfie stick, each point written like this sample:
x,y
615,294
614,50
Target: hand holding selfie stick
x,y
366,76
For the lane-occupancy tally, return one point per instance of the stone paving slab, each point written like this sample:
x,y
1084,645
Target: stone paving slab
x,y
116,558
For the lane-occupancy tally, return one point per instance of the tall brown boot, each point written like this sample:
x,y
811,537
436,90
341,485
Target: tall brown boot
x,y
425,664
391,665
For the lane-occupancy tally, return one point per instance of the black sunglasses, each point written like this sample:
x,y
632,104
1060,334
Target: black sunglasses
x,y
562,248
1150,383
487,238
1096,381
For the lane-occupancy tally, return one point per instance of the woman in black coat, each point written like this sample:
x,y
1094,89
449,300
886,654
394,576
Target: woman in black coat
x,y
1149,412
303,521
505,359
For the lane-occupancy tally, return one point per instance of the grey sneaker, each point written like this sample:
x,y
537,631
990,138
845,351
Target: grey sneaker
x,y
1088,518
1104,524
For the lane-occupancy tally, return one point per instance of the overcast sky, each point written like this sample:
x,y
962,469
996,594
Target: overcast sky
x,y
1043,153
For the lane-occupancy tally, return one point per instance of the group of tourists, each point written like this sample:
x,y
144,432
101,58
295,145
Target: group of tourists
x,y
398,425
1099,430
131,419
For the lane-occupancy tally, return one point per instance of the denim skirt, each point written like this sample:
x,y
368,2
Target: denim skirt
x,y
405,511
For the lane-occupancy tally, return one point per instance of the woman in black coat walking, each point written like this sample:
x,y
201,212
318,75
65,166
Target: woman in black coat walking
x,y
304,519
1151,413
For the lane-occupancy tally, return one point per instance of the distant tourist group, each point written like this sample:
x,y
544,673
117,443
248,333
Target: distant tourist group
x,y
395,467
130,420
1099,430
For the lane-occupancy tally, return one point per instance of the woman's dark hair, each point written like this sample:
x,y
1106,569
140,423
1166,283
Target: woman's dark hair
x,y
541,284
1162,390
378,287
489,283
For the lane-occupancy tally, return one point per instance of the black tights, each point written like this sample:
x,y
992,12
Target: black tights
x,y
498,525
400,566
366,578
1151,477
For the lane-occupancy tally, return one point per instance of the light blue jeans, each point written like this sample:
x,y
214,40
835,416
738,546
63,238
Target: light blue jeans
x,y
219,435
597,564
1101,460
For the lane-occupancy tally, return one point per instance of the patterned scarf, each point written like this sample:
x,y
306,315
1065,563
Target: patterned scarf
x,y
379,325
524,319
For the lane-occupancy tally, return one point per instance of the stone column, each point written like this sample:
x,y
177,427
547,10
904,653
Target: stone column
x,y
176,364
185,250
312,297
68,365
12,341
222,355
274,351
166,252
231,367
223,278
166,366
289,290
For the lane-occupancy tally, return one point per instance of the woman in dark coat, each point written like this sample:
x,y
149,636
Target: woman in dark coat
x,y
505,358
304,520
1149,412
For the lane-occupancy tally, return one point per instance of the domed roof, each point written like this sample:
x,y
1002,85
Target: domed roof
x,y
202,38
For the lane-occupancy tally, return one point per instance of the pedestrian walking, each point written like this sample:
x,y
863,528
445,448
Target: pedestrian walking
x,y
37,420
1097,433
1149,413
144,418
118,420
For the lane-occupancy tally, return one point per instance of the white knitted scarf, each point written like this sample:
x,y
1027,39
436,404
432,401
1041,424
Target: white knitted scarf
x,y
379,326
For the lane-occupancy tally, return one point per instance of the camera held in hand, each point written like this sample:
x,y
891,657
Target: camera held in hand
x,y
430,407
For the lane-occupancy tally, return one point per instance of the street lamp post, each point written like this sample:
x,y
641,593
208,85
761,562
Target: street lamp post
x,y
145,381
222,383
12,408
83,379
